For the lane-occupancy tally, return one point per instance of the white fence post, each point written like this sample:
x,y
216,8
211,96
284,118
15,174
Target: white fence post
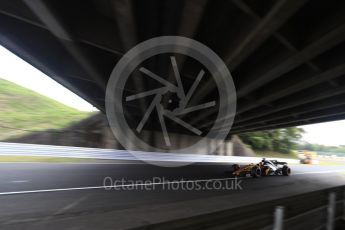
x,y
331,211
278,218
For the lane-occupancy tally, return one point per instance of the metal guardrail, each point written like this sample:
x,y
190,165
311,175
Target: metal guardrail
x,y
322,209
331,214
112,154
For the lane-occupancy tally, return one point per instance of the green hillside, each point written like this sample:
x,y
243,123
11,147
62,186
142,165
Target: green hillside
x,y
22,109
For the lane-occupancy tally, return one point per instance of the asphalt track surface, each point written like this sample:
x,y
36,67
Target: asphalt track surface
x,y
72,196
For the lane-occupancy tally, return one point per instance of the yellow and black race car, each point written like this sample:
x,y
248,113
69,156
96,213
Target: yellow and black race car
x,y
263,168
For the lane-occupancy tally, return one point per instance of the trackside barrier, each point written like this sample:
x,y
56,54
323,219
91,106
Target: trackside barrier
x,y
331,211
16,149
344,206
322,209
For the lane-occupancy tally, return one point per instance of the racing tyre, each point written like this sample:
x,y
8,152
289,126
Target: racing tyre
x,y
263,171
256,172
286,170
235,167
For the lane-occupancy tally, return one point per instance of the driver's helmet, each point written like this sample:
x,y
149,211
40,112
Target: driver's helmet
x,y
264,161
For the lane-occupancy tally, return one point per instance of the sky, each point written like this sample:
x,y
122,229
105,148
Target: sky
x,y
327,133
14,69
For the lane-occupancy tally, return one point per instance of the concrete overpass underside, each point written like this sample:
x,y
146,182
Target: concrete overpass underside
x,y
287,57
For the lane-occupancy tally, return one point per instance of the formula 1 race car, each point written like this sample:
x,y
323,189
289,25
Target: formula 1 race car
x,y
264,168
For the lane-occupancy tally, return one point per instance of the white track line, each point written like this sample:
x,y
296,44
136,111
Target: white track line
x,y
50,190
145,184
111,187
320,172
76,163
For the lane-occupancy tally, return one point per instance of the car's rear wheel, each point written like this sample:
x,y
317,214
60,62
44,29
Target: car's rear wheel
x,y
256,172
235,167
286,170
264,171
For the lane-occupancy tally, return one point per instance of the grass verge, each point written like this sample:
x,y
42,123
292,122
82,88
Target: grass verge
x,y
24,111
276,154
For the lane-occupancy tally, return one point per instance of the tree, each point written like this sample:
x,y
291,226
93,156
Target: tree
x,y
279,140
